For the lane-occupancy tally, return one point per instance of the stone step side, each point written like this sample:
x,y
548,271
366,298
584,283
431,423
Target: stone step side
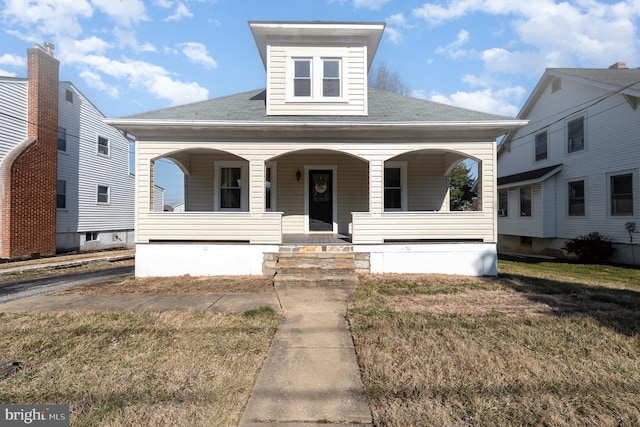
x,y
316,269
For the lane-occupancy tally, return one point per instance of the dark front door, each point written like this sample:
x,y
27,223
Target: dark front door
x,y
320,200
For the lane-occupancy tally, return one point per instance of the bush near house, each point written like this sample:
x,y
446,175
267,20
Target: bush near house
x,y
591,248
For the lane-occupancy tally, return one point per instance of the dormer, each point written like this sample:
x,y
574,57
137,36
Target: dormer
x,y
316,68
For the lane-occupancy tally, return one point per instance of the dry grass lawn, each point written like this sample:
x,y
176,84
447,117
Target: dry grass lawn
x,y
545,344
137,369
175,285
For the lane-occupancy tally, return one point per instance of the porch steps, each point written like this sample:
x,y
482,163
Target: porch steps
x,y
315,269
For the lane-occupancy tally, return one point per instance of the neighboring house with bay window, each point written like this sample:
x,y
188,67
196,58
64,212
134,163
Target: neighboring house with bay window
x,y
66,183
575,168
315,157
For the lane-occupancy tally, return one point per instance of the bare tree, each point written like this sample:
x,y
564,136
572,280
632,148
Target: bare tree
x,y
380,77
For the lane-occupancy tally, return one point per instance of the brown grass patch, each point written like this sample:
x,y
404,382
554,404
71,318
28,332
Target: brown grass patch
x,y
175,285
527,349
137,369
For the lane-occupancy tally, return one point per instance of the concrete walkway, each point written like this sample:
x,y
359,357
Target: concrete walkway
x,y
311,375
217,303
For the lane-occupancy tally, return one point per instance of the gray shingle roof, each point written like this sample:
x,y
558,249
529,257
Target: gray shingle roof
x,y
621,78
383,107
527,176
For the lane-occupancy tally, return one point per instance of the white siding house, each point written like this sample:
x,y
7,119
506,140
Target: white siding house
x,y
93,163
94,187
316,153
579,158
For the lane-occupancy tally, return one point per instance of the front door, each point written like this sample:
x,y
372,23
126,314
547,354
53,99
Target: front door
x,y
320,200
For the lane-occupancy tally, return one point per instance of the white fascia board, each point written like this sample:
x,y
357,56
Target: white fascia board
x,y
303,124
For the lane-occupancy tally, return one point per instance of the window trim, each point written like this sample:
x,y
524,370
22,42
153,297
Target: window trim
x,y
584,197
108,202
546,146
274,185
63,194
316,58
634,196
522,215
402,165
505,213
568,122
244,188
62,131
108,146
68,95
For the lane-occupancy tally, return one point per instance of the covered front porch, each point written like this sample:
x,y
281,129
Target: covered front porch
x,y
232,197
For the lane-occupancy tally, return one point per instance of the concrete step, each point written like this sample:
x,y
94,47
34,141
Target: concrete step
x,y
316,269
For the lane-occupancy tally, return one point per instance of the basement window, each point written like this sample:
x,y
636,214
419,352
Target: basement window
x,y
91,236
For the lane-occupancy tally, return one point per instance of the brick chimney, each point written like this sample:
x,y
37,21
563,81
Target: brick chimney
x,y
29,181
618,66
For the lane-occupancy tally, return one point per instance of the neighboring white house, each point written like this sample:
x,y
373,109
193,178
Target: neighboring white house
x,y
574,169
158,198
316,154
94,188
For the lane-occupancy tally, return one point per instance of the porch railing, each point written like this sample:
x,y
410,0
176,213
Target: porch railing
x,y
261,228
411,226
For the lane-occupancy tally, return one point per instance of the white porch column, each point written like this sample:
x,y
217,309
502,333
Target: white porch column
x,y
144,180
376,187
256,186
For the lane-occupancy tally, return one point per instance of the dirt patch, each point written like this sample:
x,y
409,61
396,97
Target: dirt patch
x,y
176,285
502,302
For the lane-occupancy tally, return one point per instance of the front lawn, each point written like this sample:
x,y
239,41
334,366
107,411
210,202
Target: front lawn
x,y
136,369
545,344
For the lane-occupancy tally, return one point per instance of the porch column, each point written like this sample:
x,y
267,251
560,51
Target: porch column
x,y
376,187
256,186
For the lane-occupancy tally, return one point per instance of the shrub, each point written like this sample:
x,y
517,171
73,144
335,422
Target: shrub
x,y
590,248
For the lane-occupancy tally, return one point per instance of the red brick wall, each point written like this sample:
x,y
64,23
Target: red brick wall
x,y
29,208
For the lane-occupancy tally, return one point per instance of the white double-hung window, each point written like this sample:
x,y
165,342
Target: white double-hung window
x,y
315,78
231,188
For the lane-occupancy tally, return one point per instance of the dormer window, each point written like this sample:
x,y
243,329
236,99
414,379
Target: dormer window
x,y
315,78
331,78
302,78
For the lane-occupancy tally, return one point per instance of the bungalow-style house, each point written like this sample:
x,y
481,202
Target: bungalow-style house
x,y
573,169
315,162
65,183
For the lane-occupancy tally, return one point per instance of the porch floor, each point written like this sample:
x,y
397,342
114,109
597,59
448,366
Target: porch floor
x,y
315,239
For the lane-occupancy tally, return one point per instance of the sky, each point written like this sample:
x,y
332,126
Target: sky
x,y
132,56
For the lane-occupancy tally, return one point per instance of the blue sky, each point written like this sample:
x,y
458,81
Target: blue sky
x,y
130,56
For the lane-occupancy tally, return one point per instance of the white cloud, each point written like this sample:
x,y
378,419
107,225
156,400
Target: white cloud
x,y
12,60
124,12
499,101
79,47
583,32
182,11
394,23
453,50
418,93
95,81
394,35
7,73
48,17
197,54
142,75
369,4
163,3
